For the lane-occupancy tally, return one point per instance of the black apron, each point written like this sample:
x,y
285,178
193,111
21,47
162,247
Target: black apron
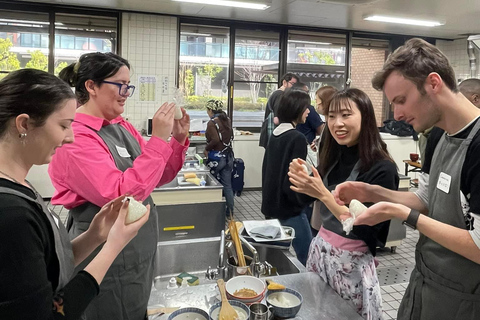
x,y
63,247
444,285
125,290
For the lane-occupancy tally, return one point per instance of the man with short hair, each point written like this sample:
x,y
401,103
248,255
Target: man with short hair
x,y
288,80
470,88
445,284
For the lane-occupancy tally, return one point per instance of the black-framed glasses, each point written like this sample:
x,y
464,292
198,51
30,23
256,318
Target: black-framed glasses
x,y
123,88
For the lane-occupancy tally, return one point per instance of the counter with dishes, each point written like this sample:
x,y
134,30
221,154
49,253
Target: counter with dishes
x,y
319,300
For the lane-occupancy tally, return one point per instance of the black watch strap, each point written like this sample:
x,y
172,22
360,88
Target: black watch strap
x,y
412,219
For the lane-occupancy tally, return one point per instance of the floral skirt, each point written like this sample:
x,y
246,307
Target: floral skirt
x,y
352,274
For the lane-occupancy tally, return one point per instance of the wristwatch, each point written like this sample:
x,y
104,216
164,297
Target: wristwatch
x,y
412,219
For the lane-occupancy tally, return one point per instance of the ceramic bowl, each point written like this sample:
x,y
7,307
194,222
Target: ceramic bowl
x,y
248,282
285,302
189,313
242,310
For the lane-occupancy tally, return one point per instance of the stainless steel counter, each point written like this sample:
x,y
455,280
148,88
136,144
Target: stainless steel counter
x,y
319,300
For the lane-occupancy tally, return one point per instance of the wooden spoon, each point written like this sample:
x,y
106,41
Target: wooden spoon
x,y
226,311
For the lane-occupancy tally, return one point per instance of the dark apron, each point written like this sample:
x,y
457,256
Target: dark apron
x,y
444,285
125,290
329,221
63,247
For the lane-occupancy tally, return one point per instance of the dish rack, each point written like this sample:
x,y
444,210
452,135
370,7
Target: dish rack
x,y
279,244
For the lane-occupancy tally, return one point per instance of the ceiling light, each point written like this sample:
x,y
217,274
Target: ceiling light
x,y
310,42
414,22
226,3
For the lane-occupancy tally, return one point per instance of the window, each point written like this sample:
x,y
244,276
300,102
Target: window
x,y
317,58
256,75
79,34
203,70
22,40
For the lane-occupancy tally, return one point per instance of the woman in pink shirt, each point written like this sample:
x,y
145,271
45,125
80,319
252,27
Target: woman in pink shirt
x,y
110,158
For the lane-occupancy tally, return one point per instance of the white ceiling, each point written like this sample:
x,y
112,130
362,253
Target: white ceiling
x,y
461,17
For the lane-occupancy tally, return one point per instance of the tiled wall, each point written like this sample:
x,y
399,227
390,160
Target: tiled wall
x,y
149,43
457,54
365,62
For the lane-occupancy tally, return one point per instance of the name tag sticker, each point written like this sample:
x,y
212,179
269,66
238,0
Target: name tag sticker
x,y
443,182
122,152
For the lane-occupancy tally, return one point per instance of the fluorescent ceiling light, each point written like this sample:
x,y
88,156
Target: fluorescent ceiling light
x,y
226,3
414,22
196,34
310,42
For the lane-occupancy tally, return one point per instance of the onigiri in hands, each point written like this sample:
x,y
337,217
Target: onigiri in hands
x,y
136,210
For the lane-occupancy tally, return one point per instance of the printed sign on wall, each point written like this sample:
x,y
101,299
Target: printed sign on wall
x,y
147,88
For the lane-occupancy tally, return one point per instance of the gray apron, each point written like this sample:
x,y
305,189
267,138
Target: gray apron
x,y
125,290
444,285
63,247
329,221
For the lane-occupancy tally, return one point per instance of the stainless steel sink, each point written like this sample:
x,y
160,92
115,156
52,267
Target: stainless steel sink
x,y
180,183
196,255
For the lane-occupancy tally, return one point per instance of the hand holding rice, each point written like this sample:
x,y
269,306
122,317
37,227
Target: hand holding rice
x,y
136,210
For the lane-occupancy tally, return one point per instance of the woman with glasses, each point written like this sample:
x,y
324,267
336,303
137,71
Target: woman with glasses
x,y
110,158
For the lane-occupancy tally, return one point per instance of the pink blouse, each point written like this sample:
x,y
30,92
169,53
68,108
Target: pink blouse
x,y
86,171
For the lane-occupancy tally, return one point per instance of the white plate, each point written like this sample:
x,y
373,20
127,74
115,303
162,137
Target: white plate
x,y
251,224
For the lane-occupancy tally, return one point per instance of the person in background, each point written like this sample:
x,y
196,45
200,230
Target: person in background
x,y
37,258
270,121
110,158
323,97
286,144
313,126
420,83
219,151
352,150
470,88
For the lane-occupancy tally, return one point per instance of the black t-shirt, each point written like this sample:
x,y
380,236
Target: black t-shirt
x,y
470,176
29,267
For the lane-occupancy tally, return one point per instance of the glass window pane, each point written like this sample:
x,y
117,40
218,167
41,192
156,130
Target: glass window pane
x,y
203,71
249,110
22,38
256,75
79,34
317,58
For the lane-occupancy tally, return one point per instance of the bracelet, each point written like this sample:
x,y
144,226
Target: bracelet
x,y
412,219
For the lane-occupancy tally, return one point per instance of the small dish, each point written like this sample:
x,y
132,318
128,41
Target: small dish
x,y
189,313
285,302
245,282
242,310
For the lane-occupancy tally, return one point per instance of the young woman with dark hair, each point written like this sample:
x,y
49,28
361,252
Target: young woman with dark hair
x,y
36,254
110,158
219,135
351,150
286,144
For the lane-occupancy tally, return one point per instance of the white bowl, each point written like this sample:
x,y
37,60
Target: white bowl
x,y
286,302
248,282
242,310
189,313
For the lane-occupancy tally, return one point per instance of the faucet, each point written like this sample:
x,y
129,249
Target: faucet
x,y
258,267
213,273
